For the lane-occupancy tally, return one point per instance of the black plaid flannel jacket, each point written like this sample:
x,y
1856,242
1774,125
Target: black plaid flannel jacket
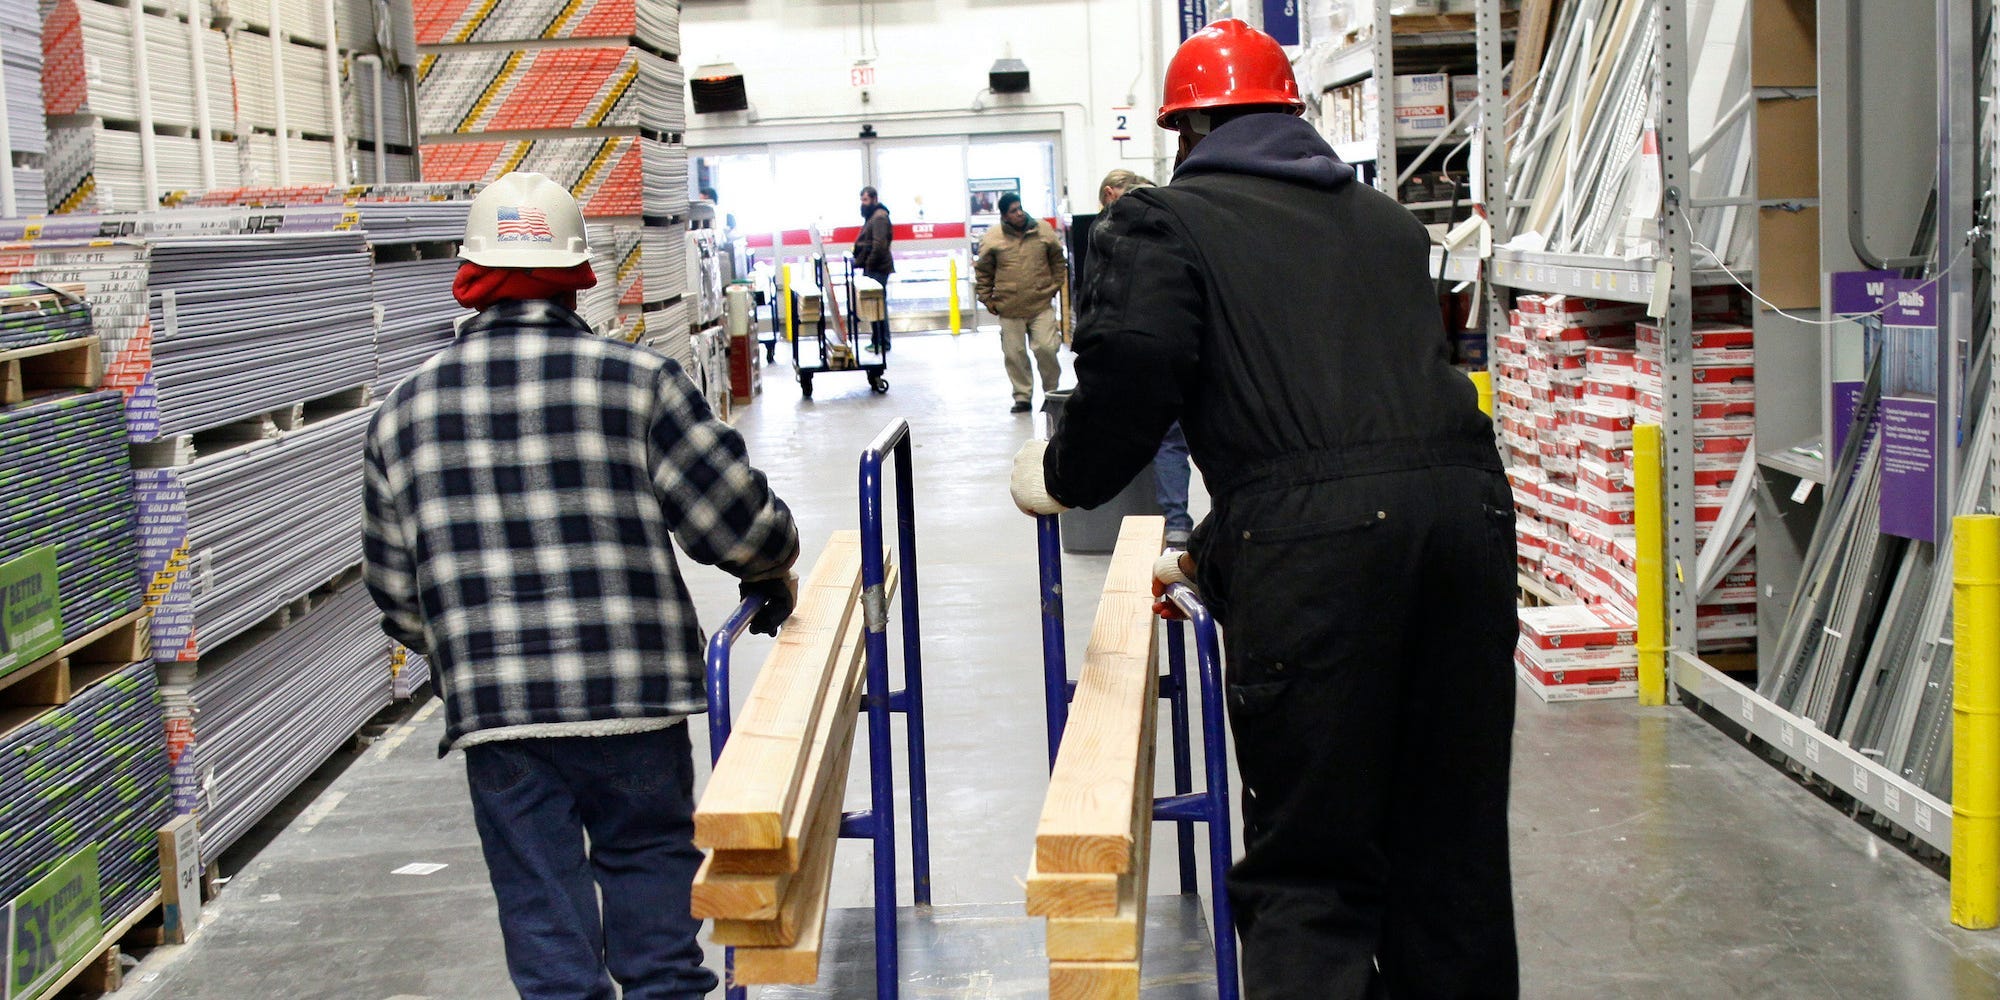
x,y
521,490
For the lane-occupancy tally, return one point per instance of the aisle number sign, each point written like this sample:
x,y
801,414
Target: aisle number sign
x,y
53,925
1121,123
30,612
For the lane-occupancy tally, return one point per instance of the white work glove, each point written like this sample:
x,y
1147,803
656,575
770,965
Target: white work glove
x,y
1029,489
1168,570
1171,567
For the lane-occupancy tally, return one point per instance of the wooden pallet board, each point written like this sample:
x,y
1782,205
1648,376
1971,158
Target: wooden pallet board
x,y
55,678
65,364
754,792
1086,822
723,889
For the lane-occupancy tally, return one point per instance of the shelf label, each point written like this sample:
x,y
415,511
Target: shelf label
x,y
1748,710
53,924
1892,799
1860,780
1922,814
1812,750
1786,735
30,609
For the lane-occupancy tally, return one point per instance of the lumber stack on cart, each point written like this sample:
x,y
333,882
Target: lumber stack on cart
x,y
1092,846
770,817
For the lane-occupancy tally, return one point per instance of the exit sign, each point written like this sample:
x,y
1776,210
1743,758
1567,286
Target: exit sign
x,y
861,76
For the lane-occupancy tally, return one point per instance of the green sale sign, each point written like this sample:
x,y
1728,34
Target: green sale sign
x,y
30,611
53,925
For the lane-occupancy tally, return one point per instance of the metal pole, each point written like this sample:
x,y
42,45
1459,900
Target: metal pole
x,y
913,675
204,133
1385,98
1173,687
1975,778
719,709
149,160
1215,760
1677,324
334,110
284,138
1958,192
1055,654
7,204
953,296
1492,192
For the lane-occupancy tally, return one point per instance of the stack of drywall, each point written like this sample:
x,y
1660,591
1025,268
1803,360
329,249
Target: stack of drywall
x,y
35,314
594,98
232,537
88,777
275,703
601,305
377,99
27,133
418,312
228,338
66,487
89,83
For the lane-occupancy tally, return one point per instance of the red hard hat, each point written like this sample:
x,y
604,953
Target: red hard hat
x,y
1228,64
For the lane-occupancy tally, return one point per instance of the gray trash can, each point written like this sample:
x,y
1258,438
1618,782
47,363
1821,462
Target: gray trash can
x,y
1095,532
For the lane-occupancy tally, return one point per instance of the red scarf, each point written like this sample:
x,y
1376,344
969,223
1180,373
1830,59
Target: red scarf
x,y
478,287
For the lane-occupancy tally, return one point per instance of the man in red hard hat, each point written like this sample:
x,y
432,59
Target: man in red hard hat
x,y
1360,551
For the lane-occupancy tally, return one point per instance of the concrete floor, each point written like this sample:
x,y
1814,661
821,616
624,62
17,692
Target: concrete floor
x,y
1654,857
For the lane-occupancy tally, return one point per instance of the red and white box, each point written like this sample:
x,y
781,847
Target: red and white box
x,y
1715,344
1564,636
1602,424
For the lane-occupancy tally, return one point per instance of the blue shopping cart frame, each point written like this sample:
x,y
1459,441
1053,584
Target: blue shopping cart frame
x,y
877,823
1185,807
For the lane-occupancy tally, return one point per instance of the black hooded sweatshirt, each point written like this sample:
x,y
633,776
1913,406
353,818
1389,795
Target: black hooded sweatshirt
x,y
1280,310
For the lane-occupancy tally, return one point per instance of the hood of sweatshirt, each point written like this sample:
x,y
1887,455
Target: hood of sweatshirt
x,y
1280,146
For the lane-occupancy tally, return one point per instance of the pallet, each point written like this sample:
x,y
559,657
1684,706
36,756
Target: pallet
x,y
185,449
56,677
100,970
65,364
1431,24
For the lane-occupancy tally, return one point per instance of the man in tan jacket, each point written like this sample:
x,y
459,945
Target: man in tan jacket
x,y
1019,272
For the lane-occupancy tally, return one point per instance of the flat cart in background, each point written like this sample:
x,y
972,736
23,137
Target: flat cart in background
x,y
815,310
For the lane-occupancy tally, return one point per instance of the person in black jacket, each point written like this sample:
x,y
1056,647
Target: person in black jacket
x,y
872,255
1360,551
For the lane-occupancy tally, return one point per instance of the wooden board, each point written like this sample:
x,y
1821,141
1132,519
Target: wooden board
x,y
1529,44
1075,894
1093,981
1119,937
754,790
1086,822
723,891
794,908
798,962
64,364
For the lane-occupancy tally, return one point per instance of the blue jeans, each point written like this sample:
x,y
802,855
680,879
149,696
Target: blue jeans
x,y
1170,479
534,800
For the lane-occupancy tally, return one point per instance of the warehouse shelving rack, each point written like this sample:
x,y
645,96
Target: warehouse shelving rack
x,y
1667,284
1326,65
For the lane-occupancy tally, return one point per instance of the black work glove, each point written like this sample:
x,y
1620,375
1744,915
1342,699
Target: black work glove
x,y
780,594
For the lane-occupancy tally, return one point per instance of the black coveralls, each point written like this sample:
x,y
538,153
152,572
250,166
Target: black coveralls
x,y
1360,554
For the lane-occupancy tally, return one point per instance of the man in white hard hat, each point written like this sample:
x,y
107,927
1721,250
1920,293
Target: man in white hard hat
x,y
522,490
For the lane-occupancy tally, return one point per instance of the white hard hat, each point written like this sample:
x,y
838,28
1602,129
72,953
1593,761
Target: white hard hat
x,y
525,220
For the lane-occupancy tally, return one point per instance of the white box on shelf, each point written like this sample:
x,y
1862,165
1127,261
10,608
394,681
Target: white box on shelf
x,y
1423,105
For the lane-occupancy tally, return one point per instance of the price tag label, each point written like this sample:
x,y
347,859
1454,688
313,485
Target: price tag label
x,y
1812,751
1748,710
1803,492
1787,735
1922,814
1892,799
1860,780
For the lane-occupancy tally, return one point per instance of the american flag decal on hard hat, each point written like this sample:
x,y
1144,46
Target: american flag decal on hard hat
x,y
525,223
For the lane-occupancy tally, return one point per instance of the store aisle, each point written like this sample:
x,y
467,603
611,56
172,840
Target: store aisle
x,y
1654,857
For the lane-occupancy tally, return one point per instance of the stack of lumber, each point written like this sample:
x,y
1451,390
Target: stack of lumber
x,y
1092,845
770,817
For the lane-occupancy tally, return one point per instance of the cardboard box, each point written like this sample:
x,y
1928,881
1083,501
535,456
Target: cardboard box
x,y
1577,692
1575,629
1610,665
1423,105
1464,93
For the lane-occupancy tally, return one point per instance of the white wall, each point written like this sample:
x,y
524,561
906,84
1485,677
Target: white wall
x,y
931,61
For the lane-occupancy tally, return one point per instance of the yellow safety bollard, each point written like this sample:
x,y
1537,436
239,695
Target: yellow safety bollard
x,y
1975,712
785,275
1483,381
1649,496
954,296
